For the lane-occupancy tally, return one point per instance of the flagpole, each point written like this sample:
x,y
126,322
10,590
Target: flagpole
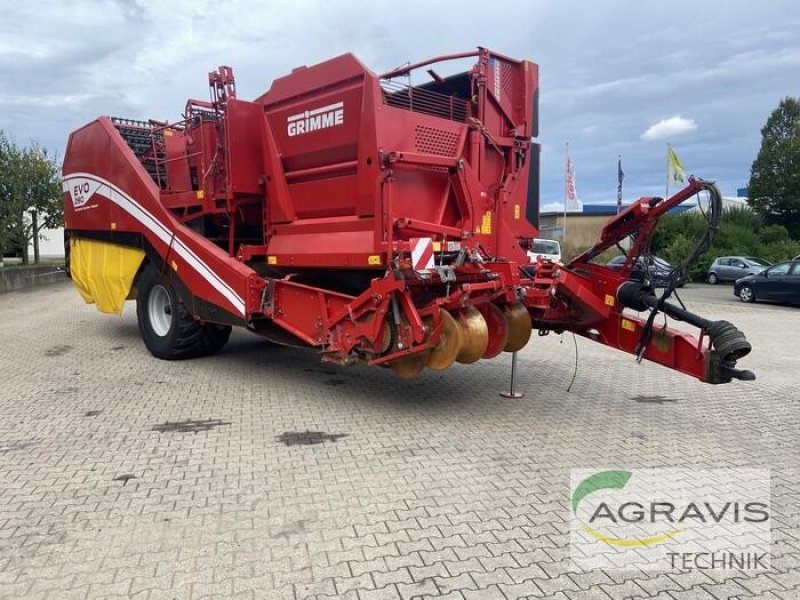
x,y
619,182
566,193
667,178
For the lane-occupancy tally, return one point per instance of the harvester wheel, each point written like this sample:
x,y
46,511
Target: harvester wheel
x,y
451,339
410,366
498,329
168,329
519,326
476,335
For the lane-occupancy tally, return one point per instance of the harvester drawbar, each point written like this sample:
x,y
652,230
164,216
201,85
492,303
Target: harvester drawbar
x,y
371,219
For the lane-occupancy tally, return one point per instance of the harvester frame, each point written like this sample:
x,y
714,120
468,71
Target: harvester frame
x,y
374,221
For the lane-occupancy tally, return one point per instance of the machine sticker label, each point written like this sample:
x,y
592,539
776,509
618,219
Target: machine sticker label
x,y
421,253
81,191
486,223
316,119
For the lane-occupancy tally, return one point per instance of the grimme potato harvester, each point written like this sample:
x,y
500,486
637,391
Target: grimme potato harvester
x,y
373,220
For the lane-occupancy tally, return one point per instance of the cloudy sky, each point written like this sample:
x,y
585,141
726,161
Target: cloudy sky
x,y
617,77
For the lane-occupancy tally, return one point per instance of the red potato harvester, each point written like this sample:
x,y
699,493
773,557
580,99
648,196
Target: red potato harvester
x,y
369,219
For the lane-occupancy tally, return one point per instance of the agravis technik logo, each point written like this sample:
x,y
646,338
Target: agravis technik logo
x,y
613,480
670,518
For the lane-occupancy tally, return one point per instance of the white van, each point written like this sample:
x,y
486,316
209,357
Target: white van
x,y
547,249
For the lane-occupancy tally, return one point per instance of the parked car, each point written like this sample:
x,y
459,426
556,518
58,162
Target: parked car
x,y
658,271
731,268
547,249
780,282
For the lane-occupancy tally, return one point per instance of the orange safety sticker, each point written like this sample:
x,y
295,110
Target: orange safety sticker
x,y
174,265
272,260
374,259
609,300
629,325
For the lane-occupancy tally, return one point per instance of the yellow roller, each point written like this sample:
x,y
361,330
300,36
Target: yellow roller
x,y
476,335
519,326
451,340
410,366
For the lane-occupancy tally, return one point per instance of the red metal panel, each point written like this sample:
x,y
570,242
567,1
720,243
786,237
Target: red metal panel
x,y
176,161
127,199
243,134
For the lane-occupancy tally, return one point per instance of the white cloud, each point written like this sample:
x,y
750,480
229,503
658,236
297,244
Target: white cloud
x,y
70,61
667,128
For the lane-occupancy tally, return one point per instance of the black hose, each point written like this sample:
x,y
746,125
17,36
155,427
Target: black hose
x,y
679,272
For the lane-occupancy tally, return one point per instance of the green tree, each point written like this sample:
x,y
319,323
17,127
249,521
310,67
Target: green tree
x,y
30,196
774,188
741,233
7,208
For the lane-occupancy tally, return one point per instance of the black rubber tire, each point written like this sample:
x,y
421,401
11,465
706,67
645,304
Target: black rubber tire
x,y
713,278
187,337
751,297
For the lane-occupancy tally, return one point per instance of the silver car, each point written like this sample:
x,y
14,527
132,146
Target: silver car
x,y
731,268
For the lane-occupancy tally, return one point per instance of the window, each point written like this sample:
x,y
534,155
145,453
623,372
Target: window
x,y
725,262
661,263
757,262
778,270
545,247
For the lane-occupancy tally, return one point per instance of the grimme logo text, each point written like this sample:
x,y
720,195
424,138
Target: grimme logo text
x,y
314,120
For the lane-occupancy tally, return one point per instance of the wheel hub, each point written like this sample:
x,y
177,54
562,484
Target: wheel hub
x,y
159,310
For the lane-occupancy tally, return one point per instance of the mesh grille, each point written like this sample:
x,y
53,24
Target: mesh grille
x,y
430,140
509,81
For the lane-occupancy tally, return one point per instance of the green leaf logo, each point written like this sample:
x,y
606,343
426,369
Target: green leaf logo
x,y
612,480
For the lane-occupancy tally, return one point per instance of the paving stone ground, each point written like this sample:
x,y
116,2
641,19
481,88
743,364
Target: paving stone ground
x,y
122,476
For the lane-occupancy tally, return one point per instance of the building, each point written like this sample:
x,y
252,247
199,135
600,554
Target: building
x,y
51,244
584,227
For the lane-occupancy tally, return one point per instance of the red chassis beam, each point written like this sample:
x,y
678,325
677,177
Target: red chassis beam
x,y
585,298
589,299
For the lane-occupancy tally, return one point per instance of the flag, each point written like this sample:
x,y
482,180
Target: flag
x,y
620,177
675,171
571,201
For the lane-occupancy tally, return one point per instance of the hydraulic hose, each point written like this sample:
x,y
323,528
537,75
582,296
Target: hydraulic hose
x,y
703,244
730,343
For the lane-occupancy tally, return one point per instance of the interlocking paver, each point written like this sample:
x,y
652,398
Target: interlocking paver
x,y
440,489
417,589
389,592
520,590
489,593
